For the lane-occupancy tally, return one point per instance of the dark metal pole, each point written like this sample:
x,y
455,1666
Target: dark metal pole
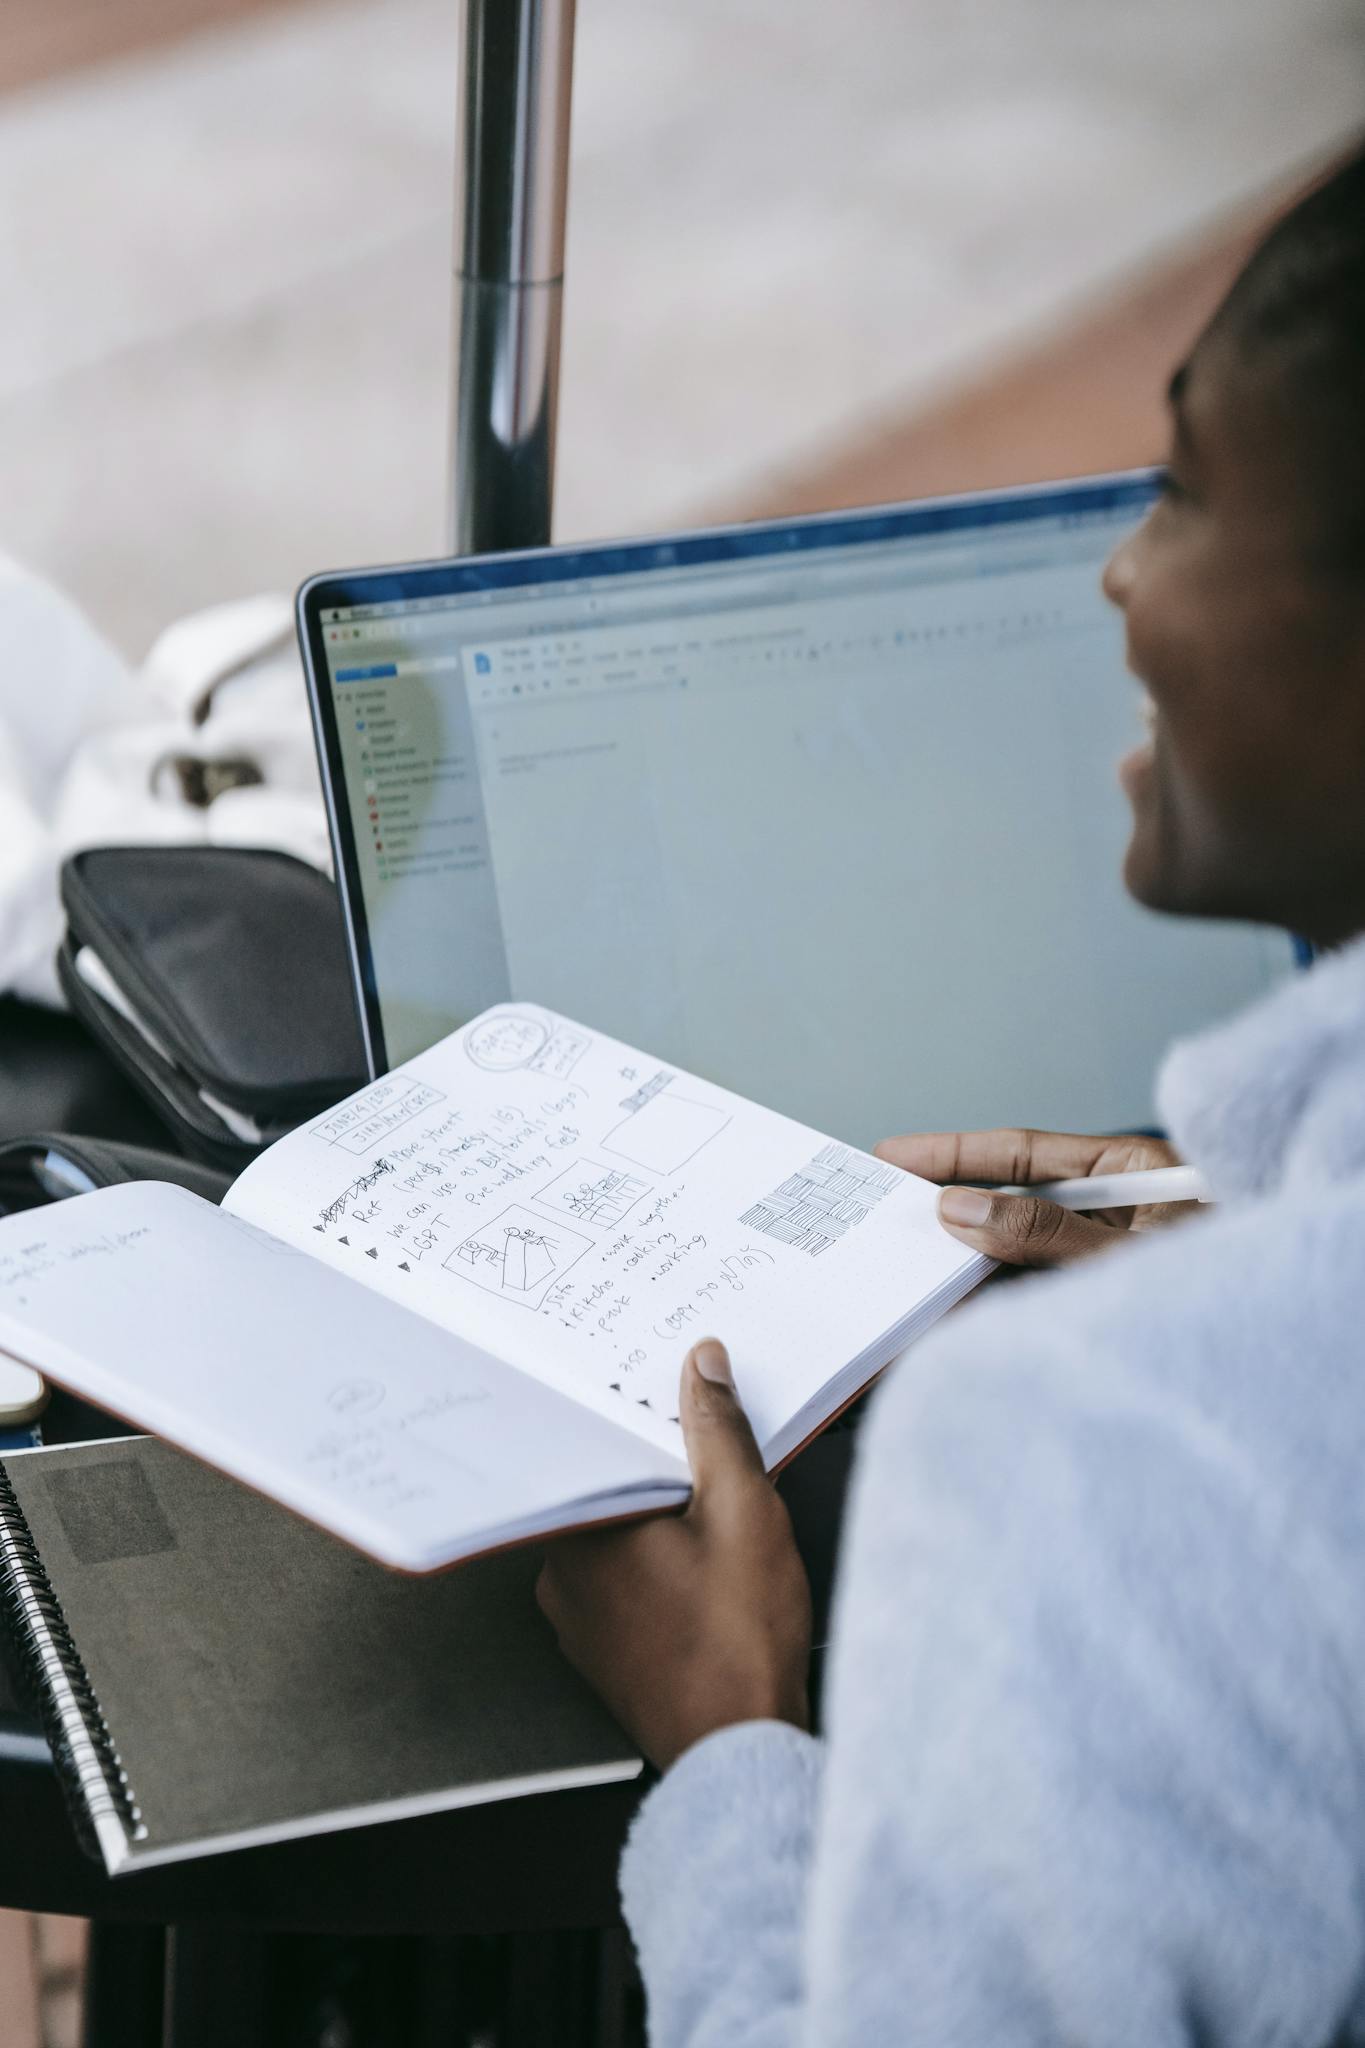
x,y
511,186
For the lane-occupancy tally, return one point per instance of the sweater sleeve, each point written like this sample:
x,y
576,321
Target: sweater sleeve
x,y
716,1867
1093,1768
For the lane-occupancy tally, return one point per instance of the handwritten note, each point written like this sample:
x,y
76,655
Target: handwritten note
x,y
212,1331
30,1267
454,1308
588,1215
367,1119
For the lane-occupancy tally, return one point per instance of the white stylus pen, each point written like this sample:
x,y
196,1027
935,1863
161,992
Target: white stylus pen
x,y
1122,1190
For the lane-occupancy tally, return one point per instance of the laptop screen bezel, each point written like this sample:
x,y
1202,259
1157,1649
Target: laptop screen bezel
x,y
787,539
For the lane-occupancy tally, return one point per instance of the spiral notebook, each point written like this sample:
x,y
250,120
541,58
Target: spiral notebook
x,y
214,1673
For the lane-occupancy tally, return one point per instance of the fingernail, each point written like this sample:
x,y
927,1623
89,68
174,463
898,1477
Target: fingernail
x,y
964,1205
713,1362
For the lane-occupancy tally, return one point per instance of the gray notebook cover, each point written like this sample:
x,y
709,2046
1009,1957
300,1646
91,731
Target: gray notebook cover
x,y
260,1680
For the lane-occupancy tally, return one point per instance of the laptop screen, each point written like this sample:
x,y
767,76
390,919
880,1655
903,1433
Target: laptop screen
x,y
825,811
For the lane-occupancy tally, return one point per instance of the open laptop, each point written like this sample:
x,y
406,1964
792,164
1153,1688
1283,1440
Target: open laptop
x,y
822,809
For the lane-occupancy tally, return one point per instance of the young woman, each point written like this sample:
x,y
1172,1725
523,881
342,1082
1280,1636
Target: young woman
x,y
1094,1768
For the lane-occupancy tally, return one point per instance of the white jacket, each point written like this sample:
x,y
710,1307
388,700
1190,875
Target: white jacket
x,y
1095,1762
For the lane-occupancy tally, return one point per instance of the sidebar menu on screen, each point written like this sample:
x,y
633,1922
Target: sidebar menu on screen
x,y
421,837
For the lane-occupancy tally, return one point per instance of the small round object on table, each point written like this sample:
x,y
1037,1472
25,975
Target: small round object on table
x,y
23,1397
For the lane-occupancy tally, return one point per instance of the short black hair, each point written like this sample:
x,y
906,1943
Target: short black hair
x,y
1298,306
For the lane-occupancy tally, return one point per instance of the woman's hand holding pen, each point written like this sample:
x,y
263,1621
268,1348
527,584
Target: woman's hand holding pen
x,y
1022,1229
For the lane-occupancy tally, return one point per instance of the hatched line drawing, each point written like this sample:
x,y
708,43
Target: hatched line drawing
x,y
816,1206
517,1255
594,1194
648,1090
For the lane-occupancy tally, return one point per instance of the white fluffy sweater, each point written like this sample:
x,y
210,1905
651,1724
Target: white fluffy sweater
x,y
1095,1762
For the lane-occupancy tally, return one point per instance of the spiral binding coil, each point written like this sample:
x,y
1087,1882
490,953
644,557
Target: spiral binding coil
x,y
96,1783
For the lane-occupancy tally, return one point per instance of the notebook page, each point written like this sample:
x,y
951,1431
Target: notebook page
x,y
572,1205
397,1435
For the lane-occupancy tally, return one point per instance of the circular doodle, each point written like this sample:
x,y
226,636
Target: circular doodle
x,y
508,1039
356,1397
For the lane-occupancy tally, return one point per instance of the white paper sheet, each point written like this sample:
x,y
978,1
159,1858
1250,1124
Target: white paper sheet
x,y
399,1436
570,1204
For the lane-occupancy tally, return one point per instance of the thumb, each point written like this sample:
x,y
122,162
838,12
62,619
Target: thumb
x,y
1020,1230
720,1444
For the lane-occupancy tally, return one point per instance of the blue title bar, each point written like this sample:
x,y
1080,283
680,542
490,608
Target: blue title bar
x,y
366,675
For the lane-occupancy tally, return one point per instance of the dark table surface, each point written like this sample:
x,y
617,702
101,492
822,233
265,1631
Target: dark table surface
x,y
53,1077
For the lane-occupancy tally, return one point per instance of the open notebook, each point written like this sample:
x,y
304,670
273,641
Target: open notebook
x,y
450,1314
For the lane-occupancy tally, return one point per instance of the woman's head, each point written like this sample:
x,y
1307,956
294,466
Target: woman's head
x,y
1244,596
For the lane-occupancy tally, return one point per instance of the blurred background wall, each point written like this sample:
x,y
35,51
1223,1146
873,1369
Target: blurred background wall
x,y
794,224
